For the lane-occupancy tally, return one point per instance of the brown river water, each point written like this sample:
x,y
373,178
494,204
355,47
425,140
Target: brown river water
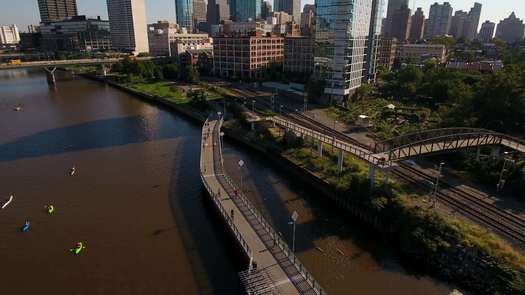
x,y
136,202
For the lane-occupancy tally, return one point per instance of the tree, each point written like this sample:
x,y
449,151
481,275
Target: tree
x,y
198,99
315,89
448,41
189,74
171,71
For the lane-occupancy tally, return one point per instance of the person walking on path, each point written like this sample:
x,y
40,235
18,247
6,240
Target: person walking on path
x,y
231,214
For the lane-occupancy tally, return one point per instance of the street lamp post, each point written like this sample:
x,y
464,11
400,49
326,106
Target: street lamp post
x,y
295,215
305,102
501,182
241,164
434,202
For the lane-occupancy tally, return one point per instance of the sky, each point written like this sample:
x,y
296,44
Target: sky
x,y
25,12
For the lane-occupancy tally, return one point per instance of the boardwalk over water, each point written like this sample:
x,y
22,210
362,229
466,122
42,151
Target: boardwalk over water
x,y
275,269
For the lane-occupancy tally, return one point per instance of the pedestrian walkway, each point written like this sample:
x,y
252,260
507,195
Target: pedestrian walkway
x,y
273,268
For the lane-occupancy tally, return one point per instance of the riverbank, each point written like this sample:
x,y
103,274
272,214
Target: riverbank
x,y
464,255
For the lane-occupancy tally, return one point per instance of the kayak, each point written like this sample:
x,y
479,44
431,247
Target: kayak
x,y
8,201
79,247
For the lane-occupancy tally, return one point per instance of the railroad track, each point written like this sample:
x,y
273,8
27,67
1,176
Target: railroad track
x,y
466,203
508,224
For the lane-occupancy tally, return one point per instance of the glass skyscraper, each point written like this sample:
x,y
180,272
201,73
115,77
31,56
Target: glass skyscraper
x,y
341,40
184,12
246,10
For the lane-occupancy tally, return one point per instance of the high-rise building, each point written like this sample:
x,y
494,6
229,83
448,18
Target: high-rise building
x,y
9,35
307,21
486,33
127,20
266,9
417,26
56,10
393,6
298,55
77,33
218,11
401,23
199,15
373,41
246,10
458,24
511,29
184,13
292,7
309,7
341,43
470,29
439,20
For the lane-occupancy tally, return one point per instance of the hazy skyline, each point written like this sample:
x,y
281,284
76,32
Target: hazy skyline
x,y
25,12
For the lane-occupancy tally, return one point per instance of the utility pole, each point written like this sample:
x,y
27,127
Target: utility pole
x,y
434,202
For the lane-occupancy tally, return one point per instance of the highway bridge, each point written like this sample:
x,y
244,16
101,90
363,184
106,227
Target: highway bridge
x,y
50,66
273,268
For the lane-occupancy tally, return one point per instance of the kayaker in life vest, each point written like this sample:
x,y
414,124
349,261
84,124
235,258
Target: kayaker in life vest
x,y
50,209
25,227
78,248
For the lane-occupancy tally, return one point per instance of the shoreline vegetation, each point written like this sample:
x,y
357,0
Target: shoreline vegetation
x,y
456,251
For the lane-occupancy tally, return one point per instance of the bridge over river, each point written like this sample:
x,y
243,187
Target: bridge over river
x,y
273,268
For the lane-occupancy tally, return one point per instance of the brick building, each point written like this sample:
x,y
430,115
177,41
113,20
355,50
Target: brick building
x,y
246,57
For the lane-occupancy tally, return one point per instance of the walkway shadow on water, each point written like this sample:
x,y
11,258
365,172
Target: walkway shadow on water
x,y
211,251
92,135
328,219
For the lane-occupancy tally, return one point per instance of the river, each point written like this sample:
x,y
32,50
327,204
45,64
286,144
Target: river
x,y
136,202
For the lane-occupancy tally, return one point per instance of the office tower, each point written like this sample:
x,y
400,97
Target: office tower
x,y
307,21
470,29
393,6
9,35
56,10
439,19
400,23
417,26
77,33
218,11
458,24
486,33
246,10
199,15
127,20
340,44
292,7
511,29
373,41
184,13
266,9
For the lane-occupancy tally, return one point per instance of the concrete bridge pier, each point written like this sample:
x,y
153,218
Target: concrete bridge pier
x,y
340,160
319,149
104,70
495,152
50,74
387,177
372,176
478,154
